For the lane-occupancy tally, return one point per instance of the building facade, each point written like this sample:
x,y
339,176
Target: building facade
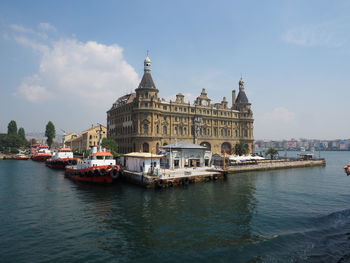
x,y
142,122
68,138
89,138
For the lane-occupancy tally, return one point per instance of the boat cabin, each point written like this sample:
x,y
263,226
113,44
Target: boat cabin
x,y
63,153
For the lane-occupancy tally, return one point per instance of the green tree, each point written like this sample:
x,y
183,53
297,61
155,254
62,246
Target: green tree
x,y
22,133
50,133
272,152
241,149
111,145
12,127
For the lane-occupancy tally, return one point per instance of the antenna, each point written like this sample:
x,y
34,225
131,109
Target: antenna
x,y
100,137
147,52
63,138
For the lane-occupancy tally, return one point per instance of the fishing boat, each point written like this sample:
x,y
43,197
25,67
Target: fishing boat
x,y
61,158
99,167
42,154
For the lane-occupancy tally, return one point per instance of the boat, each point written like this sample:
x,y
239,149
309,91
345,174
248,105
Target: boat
x,y
34,148
42,154
347,169
99,167
21,156
18,156
61,158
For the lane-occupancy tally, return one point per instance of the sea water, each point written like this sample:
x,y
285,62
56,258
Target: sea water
x,y
291,215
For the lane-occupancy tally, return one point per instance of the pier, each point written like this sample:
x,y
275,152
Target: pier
x,y
276,164
165,178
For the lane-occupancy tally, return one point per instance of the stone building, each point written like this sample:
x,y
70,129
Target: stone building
x,y
89,138
141,121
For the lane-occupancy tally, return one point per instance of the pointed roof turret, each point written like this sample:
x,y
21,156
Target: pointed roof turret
x,y
242,97
147,80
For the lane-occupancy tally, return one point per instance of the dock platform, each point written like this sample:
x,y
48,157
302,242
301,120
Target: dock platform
x,y
175,177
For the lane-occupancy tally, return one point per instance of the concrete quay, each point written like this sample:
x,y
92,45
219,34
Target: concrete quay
x,y
276,164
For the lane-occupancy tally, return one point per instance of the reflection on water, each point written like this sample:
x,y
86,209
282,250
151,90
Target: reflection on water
x,y
288,215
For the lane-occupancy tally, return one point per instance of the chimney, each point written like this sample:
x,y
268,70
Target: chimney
x,y
233,98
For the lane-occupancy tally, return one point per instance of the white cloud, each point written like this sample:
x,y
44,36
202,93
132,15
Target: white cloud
x,y
35,45
89,73
279,115
28,31
278,123
46,27
328,34
34,93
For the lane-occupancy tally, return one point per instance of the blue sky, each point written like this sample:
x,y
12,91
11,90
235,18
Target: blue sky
x,y
67,61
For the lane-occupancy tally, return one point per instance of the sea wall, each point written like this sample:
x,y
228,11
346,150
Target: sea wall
x,y
276,164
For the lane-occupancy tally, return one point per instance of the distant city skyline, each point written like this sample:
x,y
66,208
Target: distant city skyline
x,y
69,61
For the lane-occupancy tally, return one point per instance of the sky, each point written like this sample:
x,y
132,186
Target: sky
x,y
68,61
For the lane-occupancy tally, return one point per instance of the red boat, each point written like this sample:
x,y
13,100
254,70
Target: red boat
x,y
100,167
61,159
42,154
21,156
347,169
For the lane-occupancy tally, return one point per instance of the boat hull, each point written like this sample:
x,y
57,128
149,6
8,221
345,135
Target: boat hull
x,y
60,163
41,158
16,158
97,174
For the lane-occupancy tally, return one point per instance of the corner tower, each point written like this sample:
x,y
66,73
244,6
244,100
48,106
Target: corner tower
x,y
147,89
242,102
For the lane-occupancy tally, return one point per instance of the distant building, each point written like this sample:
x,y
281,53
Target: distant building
x,y
76,144
67,139
142,122
89,138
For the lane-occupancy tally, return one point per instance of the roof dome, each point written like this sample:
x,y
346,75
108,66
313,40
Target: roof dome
x,y
241,82
147,59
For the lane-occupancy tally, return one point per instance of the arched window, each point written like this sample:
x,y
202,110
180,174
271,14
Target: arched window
x,y
145,147
145,128
165,129
157,128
